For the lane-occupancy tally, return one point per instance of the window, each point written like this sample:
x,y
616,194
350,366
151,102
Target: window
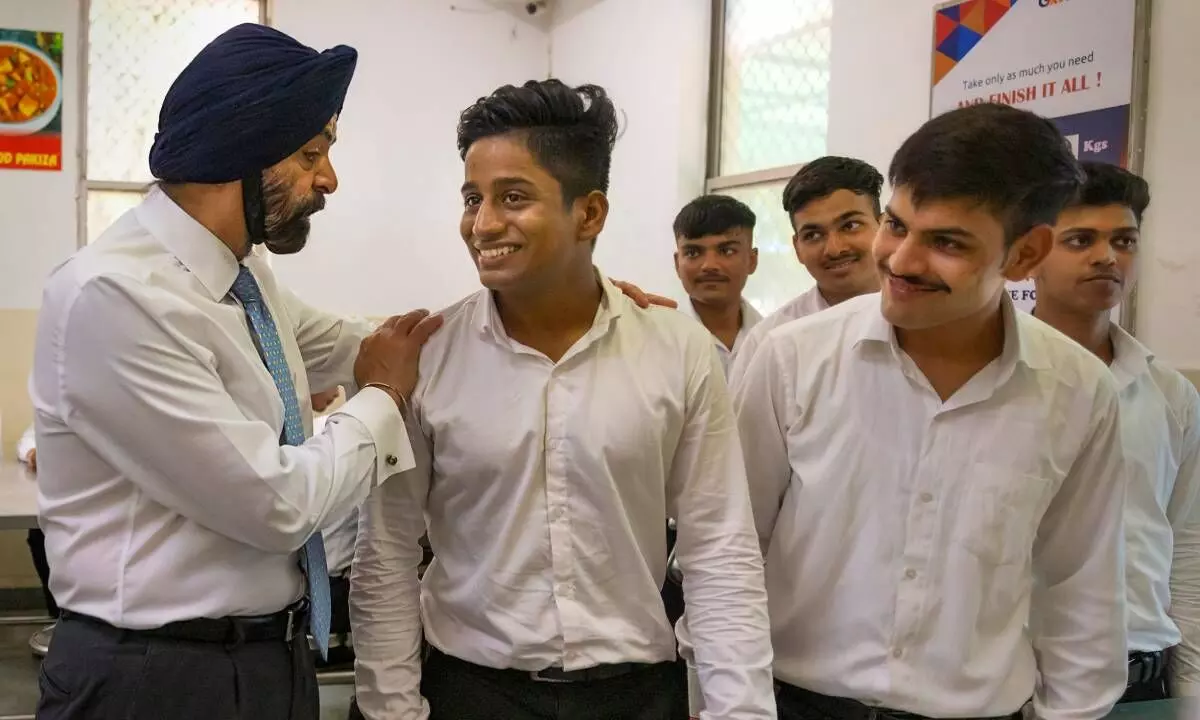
x,y
770,115
135,49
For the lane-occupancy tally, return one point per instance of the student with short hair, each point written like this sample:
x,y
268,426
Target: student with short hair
x,y
938,479
556,428
1088,273
714,256
833,205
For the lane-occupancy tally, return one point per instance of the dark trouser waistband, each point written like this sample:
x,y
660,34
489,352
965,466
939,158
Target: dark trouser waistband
x,y
790,696
281,626
548,675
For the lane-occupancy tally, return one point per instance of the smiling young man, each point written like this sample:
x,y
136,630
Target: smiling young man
x,y
833,204
1085,276
930,468
714,256
556,429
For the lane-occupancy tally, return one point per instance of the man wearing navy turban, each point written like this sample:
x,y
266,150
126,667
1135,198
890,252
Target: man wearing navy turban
x,y
180,492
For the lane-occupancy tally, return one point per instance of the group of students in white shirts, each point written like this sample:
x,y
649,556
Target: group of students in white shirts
x,y
885,580
915,502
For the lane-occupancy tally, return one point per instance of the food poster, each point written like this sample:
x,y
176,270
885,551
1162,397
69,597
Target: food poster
x,y
31,98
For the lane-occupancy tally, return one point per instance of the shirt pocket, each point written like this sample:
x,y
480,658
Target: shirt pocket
x,y
1003,510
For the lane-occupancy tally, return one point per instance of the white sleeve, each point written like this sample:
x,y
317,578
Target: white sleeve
x,y
1077,612
385,595
144,396
1183,511
717,549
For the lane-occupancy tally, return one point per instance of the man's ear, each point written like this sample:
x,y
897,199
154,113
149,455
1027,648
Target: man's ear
x,y
753,260
1027,252
594,214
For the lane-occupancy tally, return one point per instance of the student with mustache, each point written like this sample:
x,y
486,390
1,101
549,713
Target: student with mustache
x,y
1089,271
938,479
833,205
714,256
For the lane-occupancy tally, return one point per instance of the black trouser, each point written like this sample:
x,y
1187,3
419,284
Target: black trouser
x,y
1147,677
37,550
799,704
97,672
458,690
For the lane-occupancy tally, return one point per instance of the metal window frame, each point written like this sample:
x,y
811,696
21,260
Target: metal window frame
x,y
1139,104
713,180
83,185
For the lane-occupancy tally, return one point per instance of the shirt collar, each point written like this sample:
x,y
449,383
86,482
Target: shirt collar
x,y
749,317
201,252
612,305
1019,345
1131,359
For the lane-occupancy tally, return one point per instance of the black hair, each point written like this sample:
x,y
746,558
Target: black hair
x,y
1108,184
712,215
1012,162
569,131
825,176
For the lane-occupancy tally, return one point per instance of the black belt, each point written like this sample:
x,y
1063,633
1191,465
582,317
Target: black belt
x,y
847,709
548,675
1145,667
281,626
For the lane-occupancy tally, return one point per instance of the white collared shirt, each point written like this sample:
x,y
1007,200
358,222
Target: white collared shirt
x,y
547,486
162,488
806,303
904,534
749,317
1160,419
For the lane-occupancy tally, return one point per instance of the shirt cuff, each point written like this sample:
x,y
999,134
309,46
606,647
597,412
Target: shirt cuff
x,y
378,413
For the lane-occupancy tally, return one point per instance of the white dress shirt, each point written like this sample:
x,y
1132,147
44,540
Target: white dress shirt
x,y
547,487
806,303
340,535
162,487
750,318
909,540
1160,419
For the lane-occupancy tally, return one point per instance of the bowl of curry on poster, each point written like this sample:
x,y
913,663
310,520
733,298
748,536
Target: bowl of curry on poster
x,y
30,89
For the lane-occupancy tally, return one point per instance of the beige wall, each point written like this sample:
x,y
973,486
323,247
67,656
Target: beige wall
x,y
16,329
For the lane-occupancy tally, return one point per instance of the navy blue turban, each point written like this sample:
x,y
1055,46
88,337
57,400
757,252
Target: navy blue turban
x,y
251,98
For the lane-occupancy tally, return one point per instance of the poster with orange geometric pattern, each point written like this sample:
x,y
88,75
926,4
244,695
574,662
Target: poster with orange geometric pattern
x,y
1070,61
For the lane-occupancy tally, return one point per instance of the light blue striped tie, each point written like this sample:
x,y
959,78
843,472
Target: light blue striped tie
x,y
312,555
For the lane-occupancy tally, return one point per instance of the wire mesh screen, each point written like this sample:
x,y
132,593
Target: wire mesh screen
x,y
135,50
780,276
104,207
775,83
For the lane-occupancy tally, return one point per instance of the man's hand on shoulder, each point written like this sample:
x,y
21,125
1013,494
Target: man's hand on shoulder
x,y
389,357
641,298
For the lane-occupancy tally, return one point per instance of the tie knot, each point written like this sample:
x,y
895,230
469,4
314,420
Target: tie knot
x,y
245,287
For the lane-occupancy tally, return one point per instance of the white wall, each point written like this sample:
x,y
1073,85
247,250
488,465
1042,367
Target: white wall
x,y
32,240
1168,303
879,77
395,215
652,57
